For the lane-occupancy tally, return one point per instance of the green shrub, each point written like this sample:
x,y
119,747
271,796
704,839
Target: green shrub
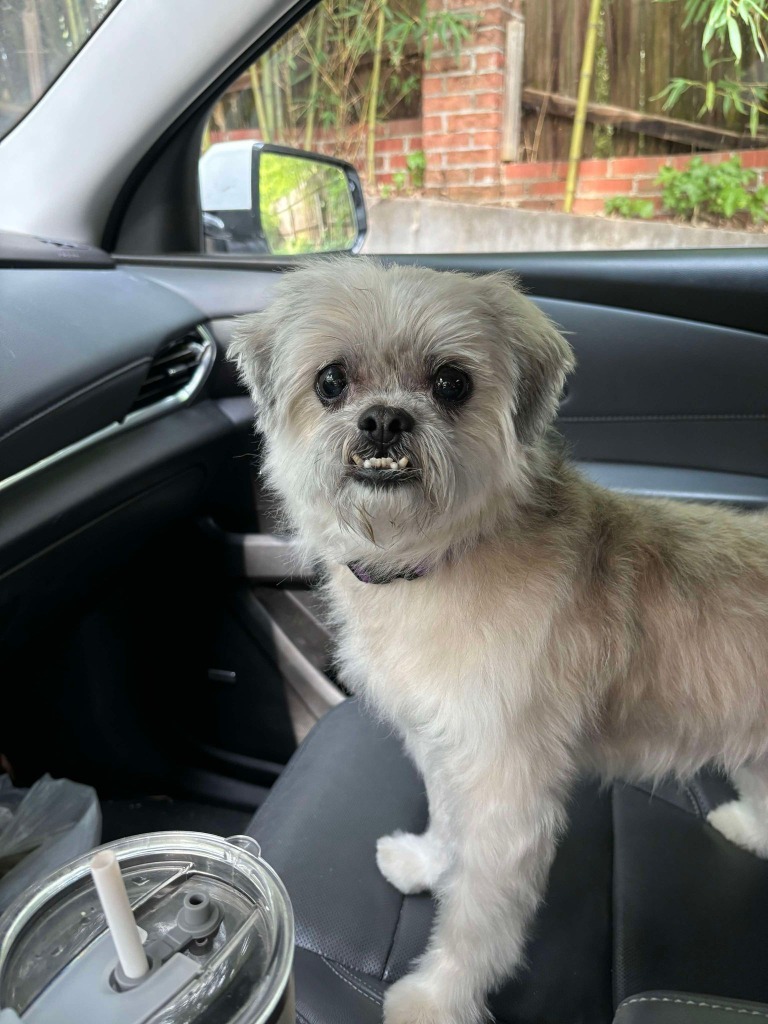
x,y
416,162
718,191
398,180
630,206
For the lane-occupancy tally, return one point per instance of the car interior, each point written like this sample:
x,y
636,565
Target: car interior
x,y
157,643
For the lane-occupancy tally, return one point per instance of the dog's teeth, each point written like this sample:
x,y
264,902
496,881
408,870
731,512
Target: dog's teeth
x,y
367,464
357,460
402,463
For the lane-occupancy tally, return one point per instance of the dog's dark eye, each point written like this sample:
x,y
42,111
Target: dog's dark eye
x,y
451,385
331,382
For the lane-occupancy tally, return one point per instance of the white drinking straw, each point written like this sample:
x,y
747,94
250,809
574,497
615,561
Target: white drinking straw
x,y
110,888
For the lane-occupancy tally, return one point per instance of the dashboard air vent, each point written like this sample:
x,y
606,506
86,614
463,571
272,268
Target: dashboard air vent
x,y
177,371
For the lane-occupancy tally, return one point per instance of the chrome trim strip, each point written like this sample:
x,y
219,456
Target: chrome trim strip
x,y
134,419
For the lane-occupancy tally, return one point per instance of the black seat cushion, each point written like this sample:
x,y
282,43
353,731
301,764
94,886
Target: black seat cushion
x,y
643,893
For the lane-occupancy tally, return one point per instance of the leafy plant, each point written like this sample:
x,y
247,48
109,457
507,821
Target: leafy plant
x,y
716,191
726,26
416,162
398,180
630,206
344,67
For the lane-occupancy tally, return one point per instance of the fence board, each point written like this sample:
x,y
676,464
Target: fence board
x,y
644,46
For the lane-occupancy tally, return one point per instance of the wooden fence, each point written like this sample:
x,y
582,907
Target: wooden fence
x,y
642,46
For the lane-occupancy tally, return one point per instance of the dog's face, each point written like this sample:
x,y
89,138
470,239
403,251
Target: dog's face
x,y
397,404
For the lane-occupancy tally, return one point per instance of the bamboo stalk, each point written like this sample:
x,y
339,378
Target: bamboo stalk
x,y
309,129
279,133
72,24
205,143
269,102
258,100
582,101
373,97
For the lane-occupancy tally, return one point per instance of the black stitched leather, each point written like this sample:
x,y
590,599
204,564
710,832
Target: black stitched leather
x,y
642,889
686,1008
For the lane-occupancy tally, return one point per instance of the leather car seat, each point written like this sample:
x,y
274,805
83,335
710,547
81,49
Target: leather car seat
x,y
644,894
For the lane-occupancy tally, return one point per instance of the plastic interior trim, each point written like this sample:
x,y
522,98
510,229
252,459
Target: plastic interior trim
x,y
134,419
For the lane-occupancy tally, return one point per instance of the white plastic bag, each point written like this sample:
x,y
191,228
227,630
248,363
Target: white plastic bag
x,y
43,828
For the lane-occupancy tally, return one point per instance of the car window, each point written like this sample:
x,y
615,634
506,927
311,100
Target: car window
x,y
525,125
38,38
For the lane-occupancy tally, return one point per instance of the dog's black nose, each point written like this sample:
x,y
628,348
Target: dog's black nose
x,y
384,424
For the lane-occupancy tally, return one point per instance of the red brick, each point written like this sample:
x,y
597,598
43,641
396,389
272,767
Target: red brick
x,y
492,16
642,186
484,121
455,175
489,61
485,176
400,126
633,165
482,82
605,187
432,86
757,158
445,65
488,100
515,188
472,157
442,143
530,170
448,104
593,169
546,188
433,123
482,139
389,145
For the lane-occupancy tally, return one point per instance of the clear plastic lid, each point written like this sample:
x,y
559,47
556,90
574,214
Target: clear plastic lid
x,y
219,934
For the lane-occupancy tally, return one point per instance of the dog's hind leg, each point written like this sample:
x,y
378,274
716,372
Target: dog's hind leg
x,y
745,821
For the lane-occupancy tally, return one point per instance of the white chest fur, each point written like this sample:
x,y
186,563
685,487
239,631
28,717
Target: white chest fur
x,y
447,648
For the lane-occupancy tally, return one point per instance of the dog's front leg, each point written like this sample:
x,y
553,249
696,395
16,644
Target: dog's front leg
x,y
504,842
416,863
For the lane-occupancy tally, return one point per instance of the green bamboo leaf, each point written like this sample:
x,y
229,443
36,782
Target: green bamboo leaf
x,y
734,36
754,118
709,101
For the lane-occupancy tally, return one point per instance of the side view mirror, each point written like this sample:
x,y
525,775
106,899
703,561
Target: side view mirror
x,y
262,198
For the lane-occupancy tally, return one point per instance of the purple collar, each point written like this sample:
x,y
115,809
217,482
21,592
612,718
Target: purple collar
x,y
366,575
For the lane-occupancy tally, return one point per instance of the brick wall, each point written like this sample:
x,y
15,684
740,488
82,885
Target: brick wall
x,y
460,133
462,107
541,186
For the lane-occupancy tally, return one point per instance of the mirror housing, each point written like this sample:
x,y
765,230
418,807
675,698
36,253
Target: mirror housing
x,y
260,198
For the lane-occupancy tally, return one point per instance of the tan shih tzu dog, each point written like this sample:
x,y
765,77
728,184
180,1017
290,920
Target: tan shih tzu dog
x,y
517,624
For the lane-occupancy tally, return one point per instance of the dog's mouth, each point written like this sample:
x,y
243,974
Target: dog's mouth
x,y
386,470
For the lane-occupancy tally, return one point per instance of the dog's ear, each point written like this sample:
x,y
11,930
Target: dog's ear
x,y
542,355
251,351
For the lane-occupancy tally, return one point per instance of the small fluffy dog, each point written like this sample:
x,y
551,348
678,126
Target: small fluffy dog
x,y
517,624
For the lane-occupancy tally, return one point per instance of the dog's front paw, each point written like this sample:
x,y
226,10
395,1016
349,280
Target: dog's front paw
x,y
740,823
420,999
410,863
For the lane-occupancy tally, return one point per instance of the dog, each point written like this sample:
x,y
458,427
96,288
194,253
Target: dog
x,y
517,624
